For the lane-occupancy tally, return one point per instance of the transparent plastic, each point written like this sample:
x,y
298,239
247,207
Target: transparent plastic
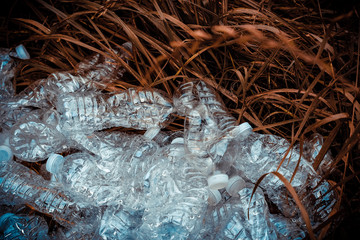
x,y
255,154
20,185
23,227
134,108
7,70
35,136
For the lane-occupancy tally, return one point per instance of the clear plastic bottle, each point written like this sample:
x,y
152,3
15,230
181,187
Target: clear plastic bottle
x,y
92,74
223,167
177,193
34,137
7,67
20,185
207,119
119,223
23,227
79,176
255,154
229,219
134,108
97,177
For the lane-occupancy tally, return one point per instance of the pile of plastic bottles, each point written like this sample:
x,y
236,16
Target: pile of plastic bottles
x,y
99,184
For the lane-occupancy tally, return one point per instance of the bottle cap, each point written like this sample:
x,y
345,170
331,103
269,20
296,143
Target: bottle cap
x,y
218,181
4,217
214,197
235,184
178,140
5,153
54,163
241,128
151,133
22,52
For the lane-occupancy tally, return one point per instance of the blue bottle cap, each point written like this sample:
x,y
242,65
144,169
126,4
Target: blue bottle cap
x,y
22,52
5,153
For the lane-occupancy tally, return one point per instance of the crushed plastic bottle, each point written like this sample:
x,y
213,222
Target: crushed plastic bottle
x,y
118,223
23,227
206,116
134,108
34,137
180,190
260,154
20,185
92,74
7,68
79,175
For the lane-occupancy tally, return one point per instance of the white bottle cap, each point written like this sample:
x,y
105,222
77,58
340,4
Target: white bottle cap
x,y
178,140
214,197
22,52
218,181
54,163
5,153
235,184
151,133
241,128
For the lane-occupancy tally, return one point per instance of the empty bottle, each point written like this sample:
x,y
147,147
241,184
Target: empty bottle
x,y
178,191
134,108
20,185
262,153
7,68
119,223
22,227
207,117
79,176
34,137
92,74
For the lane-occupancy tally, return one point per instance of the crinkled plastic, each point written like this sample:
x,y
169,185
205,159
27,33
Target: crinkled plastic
x,y
7,68
134,108
20,185
92,75
23,227
194,184
35,136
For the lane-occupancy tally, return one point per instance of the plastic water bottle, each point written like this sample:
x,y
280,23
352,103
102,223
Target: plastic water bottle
x,y
287,228
34,137
134,108
229,220
79,175
119,223
197,93
20,185
105,70
178,192
7,68
262,153
92,74
206,116
97,177
22,227
223,168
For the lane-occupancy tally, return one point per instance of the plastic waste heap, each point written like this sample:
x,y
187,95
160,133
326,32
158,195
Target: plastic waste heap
x,y
98,184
